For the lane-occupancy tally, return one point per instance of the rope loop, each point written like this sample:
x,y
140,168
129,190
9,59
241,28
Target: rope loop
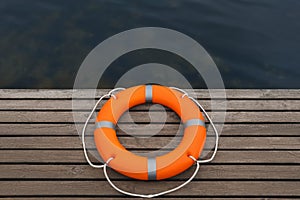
x,y
109,94
106,164
149,195
210,121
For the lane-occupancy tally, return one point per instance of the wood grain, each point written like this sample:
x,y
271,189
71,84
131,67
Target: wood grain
x,y
200,93
198,188
65,142
66,105
41,154
76,156
207,172
167,130
143,117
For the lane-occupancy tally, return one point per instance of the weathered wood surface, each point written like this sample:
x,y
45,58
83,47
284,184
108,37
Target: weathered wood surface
x,y
201,93
41,153
101,188
76,156
66,129
226,143
143,117
232,105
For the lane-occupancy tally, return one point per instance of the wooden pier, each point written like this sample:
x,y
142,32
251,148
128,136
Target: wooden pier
x,y
41,154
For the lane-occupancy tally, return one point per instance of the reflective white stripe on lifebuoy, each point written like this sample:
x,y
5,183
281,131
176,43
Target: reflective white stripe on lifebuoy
x,y
194,122
148,93
151,168
105,124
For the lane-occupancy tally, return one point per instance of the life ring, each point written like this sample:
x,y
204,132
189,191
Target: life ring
x,y
150,168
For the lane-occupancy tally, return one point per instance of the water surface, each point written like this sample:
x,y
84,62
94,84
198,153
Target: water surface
x,y
255,44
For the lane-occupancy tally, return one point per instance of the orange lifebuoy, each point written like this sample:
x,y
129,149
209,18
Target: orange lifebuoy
x,y
141,167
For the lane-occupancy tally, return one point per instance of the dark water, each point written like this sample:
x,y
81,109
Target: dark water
x,y
255,43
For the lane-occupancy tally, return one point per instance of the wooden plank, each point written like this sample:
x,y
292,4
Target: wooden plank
x,y
128,198
66,142
207,172
66,105
201,93
76,156
265,165
167,130
196,188
143,117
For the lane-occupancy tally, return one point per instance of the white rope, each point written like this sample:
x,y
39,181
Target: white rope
x,y
104,166
215,130
210,121
109,94
180,90
150,195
